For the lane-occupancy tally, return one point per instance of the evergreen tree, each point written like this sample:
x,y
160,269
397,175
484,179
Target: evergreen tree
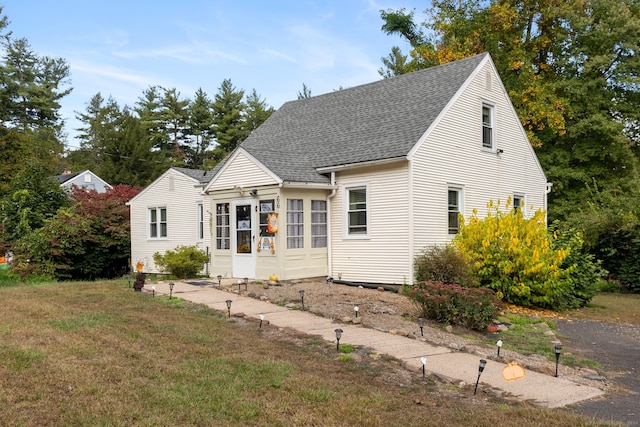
x,y
174,117
228,120
199,129
257,111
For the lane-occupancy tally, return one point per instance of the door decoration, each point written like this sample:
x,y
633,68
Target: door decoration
x,y
272,222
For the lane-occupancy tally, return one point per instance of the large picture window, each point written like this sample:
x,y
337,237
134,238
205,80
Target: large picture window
x,y
357,215
318,223
295,224
158,222
223,235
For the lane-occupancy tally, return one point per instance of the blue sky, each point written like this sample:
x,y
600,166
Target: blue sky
x,y
120,48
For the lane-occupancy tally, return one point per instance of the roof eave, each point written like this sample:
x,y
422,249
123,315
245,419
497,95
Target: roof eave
x,y
336,168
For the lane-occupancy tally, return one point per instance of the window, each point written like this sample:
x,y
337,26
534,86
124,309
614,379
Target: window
x,y
200,214
488,131
357,211
318,223
157,223
454,210
266,206
518,201
295,224
223,239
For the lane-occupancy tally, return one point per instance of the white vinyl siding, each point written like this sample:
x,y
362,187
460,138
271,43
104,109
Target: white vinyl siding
x,y
295,224
483,176
242,174
181,218
383,255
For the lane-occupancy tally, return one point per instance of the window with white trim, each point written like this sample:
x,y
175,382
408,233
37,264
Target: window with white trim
x,y
518,201
295,224
357,213
318,223
200,214
223,232
488,126
157,222
454,209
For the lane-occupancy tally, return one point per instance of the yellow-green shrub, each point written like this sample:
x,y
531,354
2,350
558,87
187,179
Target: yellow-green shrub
x,y
515,256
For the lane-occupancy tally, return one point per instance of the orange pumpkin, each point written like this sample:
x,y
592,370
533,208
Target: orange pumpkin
x,y
513,372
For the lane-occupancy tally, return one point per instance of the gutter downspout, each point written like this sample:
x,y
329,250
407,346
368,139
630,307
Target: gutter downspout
x,y
549,185
329,239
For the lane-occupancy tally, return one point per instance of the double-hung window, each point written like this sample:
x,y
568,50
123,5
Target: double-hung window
x,y
295,224
357,211
454,209
488,126
318,223
223,232
200,214
157,222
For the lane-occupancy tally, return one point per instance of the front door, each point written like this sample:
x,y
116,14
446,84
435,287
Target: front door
x,y
243,239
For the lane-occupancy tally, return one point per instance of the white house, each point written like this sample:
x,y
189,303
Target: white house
x,y
354,183
85,179
170,212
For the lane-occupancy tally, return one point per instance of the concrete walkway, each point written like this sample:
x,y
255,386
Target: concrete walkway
x,y
541,389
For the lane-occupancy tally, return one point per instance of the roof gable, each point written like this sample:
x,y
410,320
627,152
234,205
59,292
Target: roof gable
x,y
373,122
198,177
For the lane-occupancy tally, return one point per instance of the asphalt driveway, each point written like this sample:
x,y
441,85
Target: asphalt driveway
x,y
617,347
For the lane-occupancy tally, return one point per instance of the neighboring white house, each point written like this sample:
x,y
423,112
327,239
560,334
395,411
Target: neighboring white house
x,y
85,179
170,212
355,183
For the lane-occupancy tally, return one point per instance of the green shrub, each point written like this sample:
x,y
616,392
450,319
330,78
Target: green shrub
x,y
585,272
183,262
516,257
472,308
443,264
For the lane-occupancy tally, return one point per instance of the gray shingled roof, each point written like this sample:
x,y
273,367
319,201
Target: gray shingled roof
x,y
376,121
202,176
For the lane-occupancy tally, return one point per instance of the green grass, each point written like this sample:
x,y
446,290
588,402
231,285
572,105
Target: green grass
x,y
100,354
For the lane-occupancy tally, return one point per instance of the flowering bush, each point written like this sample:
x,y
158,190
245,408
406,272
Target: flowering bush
x,y
472,308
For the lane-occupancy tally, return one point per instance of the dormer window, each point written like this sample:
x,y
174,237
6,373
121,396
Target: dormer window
x,y
488,126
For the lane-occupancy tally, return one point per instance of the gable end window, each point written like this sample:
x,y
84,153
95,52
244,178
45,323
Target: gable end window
x,y
454,209
157,223
488,126
357,211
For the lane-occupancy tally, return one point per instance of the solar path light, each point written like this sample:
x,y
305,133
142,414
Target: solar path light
x,y
261,319
170,289
302,298
246,283
228,307
499,344
421,324
219,279
338,335
483,363
558,349
423,359
356,309
153,289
